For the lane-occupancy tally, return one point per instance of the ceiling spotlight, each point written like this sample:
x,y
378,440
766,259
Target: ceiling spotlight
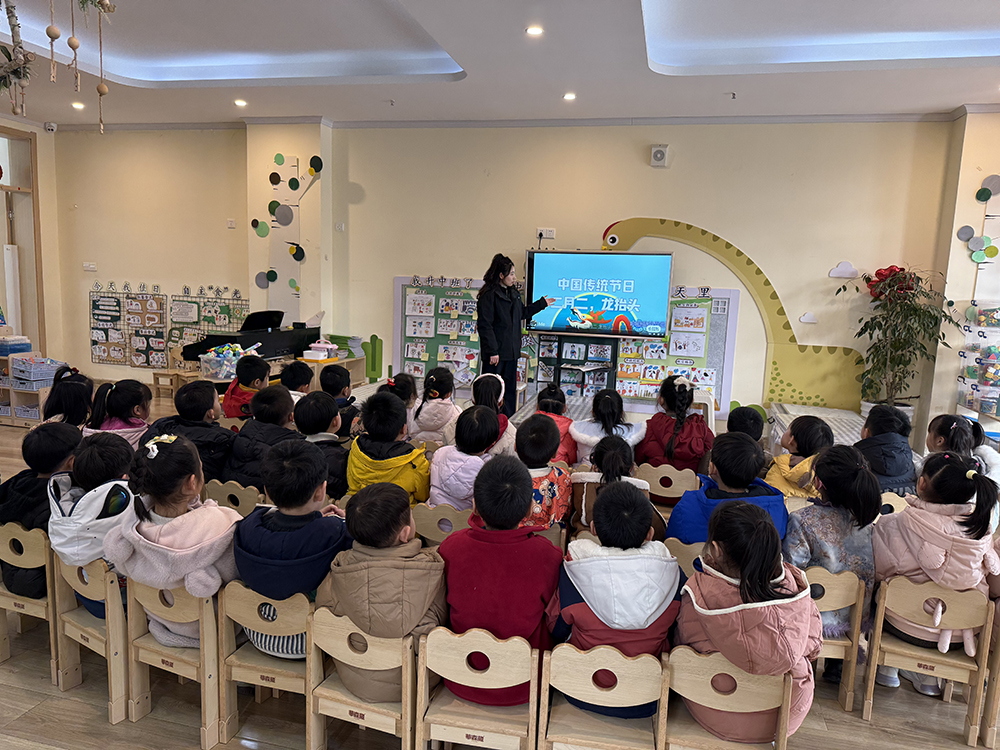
x,y
78,105
534,30
240,103
570,96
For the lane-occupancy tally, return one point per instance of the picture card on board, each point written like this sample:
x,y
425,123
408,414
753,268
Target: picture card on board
x,y
413,351
419,304
599,352
466,328
655,350
574,351
548,348
449,305
687,345
628,388
545,373
416,369
692,319
702,376
420,327
654,372
681,372
447,326
630,348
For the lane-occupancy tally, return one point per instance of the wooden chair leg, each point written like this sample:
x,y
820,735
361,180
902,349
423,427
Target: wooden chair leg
x,y
949,689
182,680
847,680
316,734
866,709
117,686
210,729
974,691
139,702
261,693
229,709
988,725
24,623
70,674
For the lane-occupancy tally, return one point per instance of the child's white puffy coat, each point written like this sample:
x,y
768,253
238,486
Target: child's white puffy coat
x,y
453,474
434,415
588,433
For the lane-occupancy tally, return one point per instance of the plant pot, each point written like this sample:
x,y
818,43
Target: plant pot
x,y
907,409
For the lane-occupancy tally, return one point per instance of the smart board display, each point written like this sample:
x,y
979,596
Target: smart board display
x,y
613,294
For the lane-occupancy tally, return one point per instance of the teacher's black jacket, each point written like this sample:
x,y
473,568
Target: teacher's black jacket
x,y
500,314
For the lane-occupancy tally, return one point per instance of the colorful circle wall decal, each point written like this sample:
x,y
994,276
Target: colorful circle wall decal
x,y
316,164
293,184
983,195
979,256
283,215
254,223
977,243
296,252
966,233
279,159
272,275
261,280
263,229
992,251
272,206
274,178
293,284
992,183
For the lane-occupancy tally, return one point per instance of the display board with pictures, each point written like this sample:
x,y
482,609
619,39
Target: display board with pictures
x,y
581,365
435,326
108,330
700,346
146,318
194,316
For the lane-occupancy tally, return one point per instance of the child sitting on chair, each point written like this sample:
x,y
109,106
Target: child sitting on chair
x,y
488,390
552,403
252,374
288,549
674,436
296,377
336,381
501,576
757,611
732,475
623,592
608,419
382,454
403,584
437,408
791,473
123,408
271,424
318,418
455,467
537,445
885,444
612,462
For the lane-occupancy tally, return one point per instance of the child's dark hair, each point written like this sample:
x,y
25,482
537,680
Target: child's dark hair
x,y
609,410
439,383
159,470
884,419
291,471
48,446
488,390
956,431
296,374
100,458
118,400
537,440
677,398
738,458
612,457
383,416
954,479
315,412
503,493
272,405
252,368
334,379
377,513
194,399
811,435
747,420
750,543
402,385
622,516
71,394
551,399
476,430
846,481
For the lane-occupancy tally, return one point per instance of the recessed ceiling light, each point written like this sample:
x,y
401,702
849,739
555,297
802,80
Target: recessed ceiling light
x,y
569,96
534,30
78,105
240,103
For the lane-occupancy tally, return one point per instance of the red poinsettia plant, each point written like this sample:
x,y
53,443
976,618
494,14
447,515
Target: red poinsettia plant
x,y
905,321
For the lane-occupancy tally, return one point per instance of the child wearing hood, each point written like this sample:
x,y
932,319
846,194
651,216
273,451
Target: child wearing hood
x,y
623,592
608,420
757,611
437,408
885,444
455,467
169,537
403,584
488,390
943,536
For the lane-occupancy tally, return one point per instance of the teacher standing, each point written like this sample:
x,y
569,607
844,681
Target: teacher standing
x,y
501,313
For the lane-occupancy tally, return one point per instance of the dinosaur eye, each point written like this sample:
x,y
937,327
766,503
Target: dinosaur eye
x,y
612,240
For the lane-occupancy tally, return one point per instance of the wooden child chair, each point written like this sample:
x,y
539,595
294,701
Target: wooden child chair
x,y
107,637
557,535
28,549
441,715
238,605
582,512
233,495
892,503
572,672
962,610
679,482
686,554
430,447
329,635
839,591
435,524
991,709
691,674
198,664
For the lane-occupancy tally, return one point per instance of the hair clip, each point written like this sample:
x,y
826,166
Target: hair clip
x,y
970,474
682,380
391,383
953,425
152,446
432,394
74,371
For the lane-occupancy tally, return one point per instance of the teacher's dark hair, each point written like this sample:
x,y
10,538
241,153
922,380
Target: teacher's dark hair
x,y
499,267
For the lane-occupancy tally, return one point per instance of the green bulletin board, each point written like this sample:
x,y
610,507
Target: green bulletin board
x,y
438,325
192,317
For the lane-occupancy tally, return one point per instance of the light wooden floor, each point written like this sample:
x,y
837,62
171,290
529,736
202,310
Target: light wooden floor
x,y
35,715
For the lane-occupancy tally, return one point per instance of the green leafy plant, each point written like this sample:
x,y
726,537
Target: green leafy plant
x,y
906,320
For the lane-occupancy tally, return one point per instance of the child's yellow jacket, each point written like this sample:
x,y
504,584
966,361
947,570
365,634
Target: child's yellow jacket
x,y
792,481
398,462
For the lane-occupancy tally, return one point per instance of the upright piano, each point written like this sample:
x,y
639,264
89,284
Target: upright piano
x,y
264,327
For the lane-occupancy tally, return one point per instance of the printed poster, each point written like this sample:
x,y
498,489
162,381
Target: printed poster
x,y
107,329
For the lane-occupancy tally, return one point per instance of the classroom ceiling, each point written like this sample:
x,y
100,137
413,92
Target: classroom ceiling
x,y
385,61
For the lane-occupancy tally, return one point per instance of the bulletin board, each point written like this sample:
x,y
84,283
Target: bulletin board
x,y
435,326
192,317
146,319
701,345
108,342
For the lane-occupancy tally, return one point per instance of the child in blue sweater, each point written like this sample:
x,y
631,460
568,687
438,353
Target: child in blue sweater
x,y
737,459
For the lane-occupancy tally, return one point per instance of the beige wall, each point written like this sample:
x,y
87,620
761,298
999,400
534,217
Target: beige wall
x,y
796,198
147,206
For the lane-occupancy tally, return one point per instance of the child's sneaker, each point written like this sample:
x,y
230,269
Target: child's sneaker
x,y
922,683
887,677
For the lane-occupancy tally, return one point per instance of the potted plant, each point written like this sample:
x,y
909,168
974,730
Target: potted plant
x,y
906,319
